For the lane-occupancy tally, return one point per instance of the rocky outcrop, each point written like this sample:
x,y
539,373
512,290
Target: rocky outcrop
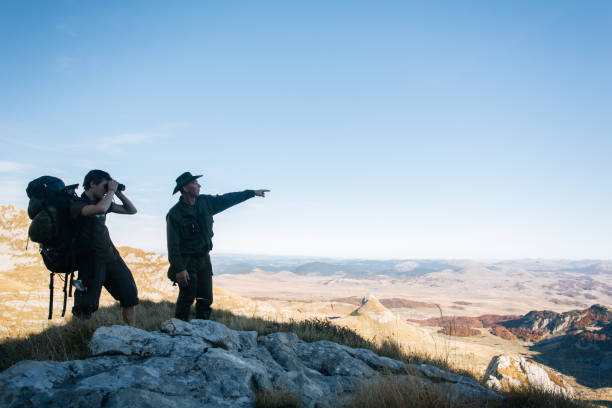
x,y
14,224
205,364
372,308
502,332
507,372
534,326
537,325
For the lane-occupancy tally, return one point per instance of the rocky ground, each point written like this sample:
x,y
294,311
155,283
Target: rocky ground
x,y
205,364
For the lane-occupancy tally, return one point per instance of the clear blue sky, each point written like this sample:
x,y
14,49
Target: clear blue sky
x,y
471,129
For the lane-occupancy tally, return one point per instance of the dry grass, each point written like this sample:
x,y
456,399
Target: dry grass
x,y
307,330
69,341
398,392
532,397
275,399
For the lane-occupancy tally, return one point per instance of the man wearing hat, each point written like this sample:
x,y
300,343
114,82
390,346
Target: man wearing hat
x,y
189,233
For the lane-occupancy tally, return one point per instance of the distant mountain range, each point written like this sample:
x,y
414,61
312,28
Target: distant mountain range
x,y
350,267
14,223
396,268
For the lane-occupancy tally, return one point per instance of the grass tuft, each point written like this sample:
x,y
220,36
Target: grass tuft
x,y
275,399
528,396
398,392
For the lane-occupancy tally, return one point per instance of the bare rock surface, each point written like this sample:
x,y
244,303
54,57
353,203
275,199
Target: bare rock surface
x,y
505,372
206,364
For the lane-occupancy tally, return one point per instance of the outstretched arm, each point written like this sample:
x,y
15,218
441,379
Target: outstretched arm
x,y
223,202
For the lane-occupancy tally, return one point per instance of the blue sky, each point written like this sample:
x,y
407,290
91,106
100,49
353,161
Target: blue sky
x,y
471,129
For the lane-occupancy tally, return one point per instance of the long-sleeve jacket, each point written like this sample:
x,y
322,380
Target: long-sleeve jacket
x,y
189,228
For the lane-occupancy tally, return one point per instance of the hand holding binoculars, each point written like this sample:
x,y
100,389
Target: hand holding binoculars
x,y
120,187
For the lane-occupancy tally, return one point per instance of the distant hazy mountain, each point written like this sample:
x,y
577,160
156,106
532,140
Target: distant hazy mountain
x,y
404,268
327,267
13,234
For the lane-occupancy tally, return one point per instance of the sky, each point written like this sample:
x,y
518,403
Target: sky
x,y
390,129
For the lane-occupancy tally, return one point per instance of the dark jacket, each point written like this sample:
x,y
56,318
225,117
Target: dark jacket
x,y
189,228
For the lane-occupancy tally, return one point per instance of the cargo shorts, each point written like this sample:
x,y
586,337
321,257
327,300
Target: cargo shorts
x,y
115,276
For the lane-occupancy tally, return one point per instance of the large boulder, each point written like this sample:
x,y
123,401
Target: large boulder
x,y
205,364
506,372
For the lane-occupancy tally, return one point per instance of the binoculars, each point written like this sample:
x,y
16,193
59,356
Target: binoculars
x,y
120,187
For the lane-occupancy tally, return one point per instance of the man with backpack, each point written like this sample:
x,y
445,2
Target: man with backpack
x,y
189,233
97,260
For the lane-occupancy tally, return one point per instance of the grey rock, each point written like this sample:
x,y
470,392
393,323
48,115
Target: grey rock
x,y
35,375
40,381
214,333
205,364
150,399
332,359
458,387
128,341
377,362
280,347
506,371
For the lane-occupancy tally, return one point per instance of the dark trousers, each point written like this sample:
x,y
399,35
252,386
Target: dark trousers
x,y
199,288
115,276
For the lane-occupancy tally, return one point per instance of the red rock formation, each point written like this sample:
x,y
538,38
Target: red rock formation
x,y
592,316
463,326
504,333
450,320
490,320
528,334
390,303
459,331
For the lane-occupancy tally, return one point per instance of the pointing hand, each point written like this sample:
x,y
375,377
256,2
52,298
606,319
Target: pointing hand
x,y
261,193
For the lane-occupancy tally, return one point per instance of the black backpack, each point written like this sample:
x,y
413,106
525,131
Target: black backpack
x,y
52,228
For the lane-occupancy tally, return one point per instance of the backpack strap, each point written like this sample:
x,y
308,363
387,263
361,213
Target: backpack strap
x,y
50,295
71,278
80,220
66,277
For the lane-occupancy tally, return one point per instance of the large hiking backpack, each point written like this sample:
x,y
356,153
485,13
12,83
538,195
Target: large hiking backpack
x,y
51,227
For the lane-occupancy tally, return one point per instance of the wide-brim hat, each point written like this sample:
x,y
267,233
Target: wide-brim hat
x,y
183,179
